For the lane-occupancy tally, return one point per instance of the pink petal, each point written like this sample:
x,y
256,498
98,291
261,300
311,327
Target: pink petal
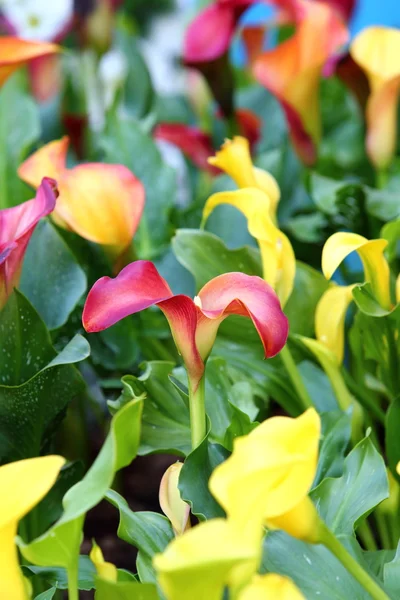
x,y
194,143
209,36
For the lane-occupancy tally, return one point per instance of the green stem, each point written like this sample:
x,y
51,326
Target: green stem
x,y
73,582
197,412
382,526
353,567
232,126
365,534
381,178
295,377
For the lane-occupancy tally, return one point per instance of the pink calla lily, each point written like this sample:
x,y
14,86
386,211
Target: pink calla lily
x,y
194,323
195,144
16,227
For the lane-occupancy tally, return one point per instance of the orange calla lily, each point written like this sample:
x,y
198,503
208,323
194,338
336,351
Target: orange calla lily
x,y
292,70
376,51
15,52
102,203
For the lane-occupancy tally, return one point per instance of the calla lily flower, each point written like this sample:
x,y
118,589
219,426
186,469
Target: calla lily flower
x,y
268,476
194,324
172,505
292,71
371,253
23,483
275,587
100,202
234,159
376,50
16,227
330,315
105,570
277,256
15,52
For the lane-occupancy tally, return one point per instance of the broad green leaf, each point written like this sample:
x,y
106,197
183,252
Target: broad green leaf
x,y
367,303
47,595
117,347
383,204
392,438
391,575
125,143
206,256
318,386
57,576
51,278
107,590
36,383
317,573
335,438
391,233
149,532
345,501
193,480
377,560
323,192
59,546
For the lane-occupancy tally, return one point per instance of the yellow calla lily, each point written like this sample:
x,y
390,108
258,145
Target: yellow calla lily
x,y
271,587
105,570
23,483
204,560
171,503
376,50
330,316
268,476
234,159
371,252
277,256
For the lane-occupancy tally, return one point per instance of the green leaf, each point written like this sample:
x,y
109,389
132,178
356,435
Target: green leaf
x,y
367,303
59,546
317,573
391,574
149,532
107,590
344,502
37,383
336,431
47,595
323,192
125,143
206,256
193,480
391,233
318,386
57,576
117,347
392,438
51,278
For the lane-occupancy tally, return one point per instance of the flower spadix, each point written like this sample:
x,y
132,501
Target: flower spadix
x,y
277,256
267,478
16,227
371,253
23,484
16,52
193,324
102,203
376,51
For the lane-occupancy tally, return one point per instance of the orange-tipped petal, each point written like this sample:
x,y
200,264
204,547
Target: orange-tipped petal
x,y
292,72
102,203
48,161
15,52
16,227
245,295
194,143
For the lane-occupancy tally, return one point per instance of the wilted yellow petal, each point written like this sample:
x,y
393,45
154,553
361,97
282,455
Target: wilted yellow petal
x,y
171,502
371,252
202,561
105,570
271,587
270,470
330,316
23,484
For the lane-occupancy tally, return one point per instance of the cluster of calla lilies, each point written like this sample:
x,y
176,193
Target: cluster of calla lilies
x,y
264,484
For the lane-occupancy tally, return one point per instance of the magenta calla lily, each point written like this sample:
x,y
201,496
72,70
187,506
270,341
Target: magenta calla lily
x,y
194,323
16,227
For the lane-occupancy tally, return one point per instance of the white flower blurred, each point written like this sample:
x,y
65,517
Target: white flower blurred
x,y
40,20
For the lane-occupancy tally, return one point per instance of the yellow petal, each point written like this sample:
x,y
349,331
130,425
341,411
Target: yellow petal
x,y
203,561
105,570
271,587
15,52
23,484
48,161
376,50
330,316
300,522
171,502
268,184
376,268
270,470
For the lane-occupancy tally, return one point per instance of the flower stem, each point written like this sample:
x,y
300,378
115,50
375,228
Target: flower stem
x,y
197,413
72,572
329,540
381,178
295,377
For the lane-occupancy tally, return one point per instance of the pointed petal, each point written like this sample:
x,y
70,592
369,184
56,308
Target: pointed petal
x,y
102,203
271,586
172,505
194,143
139,286
48,161
245,295
234,158
15,52
330,316
105,570
371,252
